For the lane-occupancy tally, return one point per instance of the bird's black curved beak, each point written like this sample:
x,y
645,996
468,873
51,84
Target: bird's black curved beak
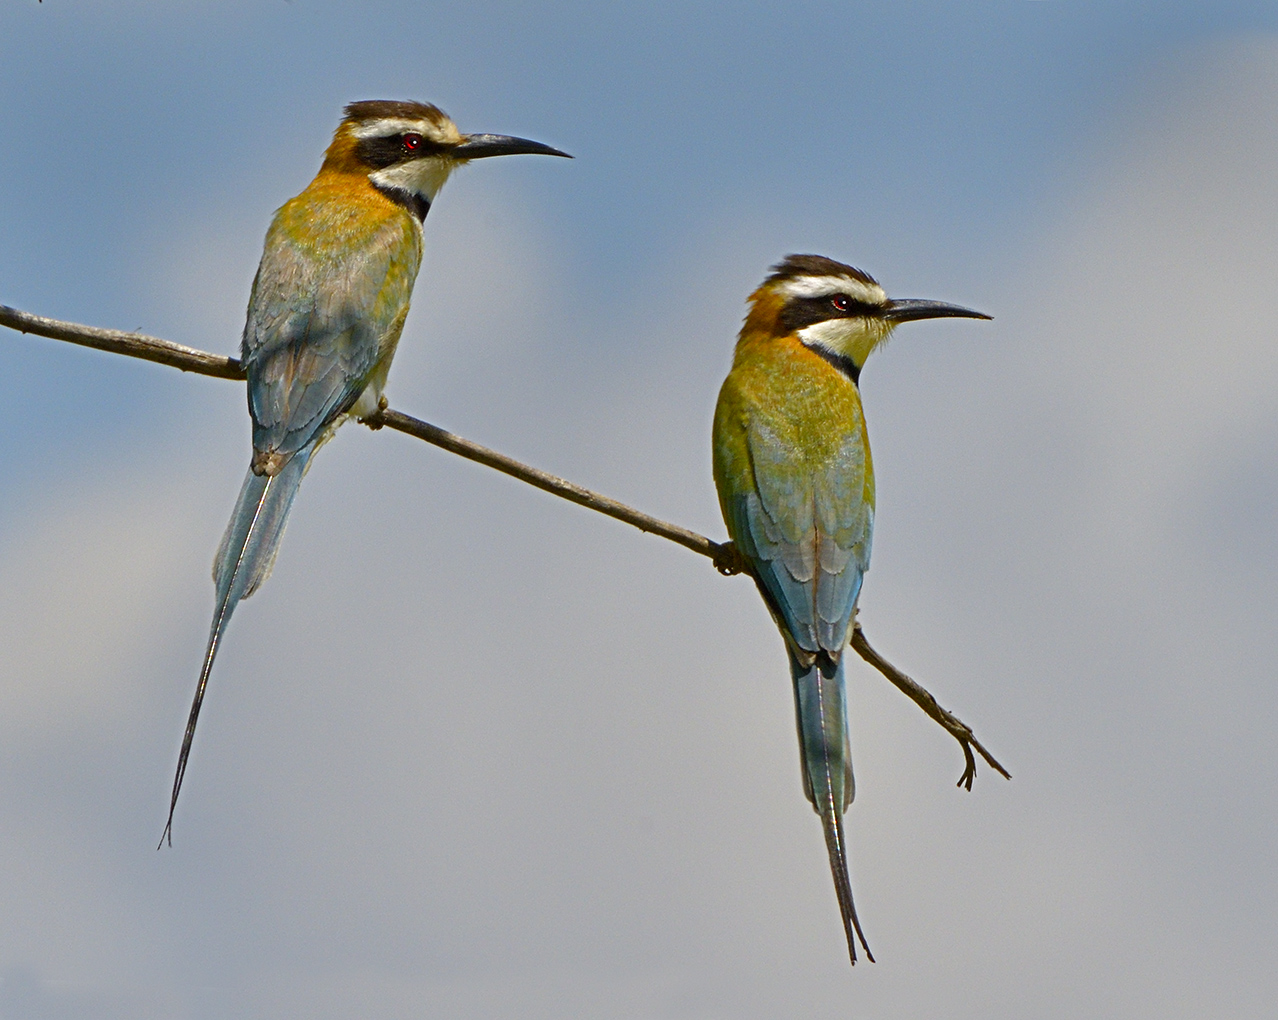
x,y
909,309
482,146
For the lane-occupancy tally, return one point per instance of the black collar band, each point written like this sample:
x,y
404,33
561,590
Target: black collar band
x,y
415,203
840,361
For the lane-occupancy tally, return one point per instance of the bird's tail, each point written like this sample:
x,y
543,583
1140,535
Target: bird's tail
x,y
819,701
244,560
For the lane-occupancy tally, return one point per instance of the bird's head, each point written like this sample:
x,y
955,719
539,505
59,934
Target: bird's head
x,y
836,310
407,150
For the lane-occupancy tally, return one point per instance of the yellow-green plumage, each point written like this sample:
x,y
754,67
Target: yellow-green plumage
x,y
796,486
327,309
808,405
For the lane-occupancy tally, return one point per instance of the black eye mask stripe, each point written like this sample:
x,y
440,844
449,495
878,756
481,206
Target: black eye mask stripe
x,y
387,150
801,312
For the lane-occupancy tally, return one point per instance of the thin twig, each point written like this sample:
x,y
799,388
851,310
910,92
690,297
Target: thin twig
x,y
949,722
724,555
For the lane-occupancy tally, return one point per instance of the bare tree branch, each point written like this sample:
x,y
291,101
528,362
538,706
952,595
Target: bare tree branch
x,y
724,555
135,345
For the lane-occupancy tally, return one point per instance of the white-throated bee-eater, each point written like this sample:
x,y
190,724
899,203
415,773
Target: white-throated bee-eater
x,y
796,486
326,312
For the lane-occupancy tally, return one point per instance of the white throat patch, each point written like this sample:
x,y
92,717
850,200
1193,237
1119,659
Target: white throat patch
x,y
423,176
832,334
853,338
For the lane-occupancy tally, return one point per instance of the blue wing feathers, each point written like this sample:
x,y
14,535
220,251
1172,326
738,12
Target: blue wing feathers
x,y
315,331
808,536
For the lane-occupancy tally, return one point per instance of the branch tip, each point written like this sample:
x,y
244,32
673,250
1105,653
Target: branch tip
x,y
949,722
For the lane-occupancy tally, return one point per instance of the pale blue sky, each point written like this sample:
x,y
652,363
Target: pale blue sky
x,y
473,752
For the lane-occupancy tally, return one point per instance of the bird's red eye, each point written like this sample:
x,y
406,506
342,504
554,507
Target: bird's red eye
x,y
841,302
412,141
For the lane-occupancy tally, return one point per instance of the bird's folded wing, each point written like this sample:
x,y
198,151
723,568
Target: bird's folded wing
x,y
806,528
316,328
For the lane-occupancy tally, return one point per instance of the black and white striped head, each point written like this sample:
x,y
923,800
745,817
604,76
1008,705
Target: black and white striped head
x,y
839,311
409,149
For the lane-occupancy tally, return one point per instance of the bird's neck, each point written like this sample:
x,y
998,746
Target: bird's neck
x,y
414,201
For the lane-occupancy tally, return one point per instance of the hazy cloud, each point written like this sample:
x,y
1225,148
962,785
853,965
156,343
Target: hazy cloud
x,y
474,752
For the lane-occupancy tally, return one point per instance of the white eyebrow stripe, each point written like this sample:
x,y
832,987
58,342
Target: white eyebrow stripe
x,y
394,126
823,286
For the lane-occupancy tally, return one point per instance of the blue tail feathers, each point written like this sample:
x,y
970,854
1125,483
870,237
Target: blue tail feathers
x,y
820,703
247,553
244,560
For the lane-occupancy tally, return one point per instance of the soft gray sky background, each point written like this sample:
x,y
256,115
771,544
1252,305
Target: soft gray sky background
x,y
474,752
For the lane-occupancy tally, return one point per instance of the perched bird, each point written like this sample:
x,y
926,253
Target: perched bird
x,y
326,312
792,466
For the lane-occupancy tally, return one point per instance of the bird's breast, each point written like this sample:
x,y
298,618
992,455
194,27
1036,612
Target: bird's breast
x,y
339,216
806,402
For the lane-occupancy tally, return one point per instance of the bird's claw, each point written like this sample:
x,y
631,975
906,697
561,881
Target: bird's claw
x,y
728,560
969,771
374,421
